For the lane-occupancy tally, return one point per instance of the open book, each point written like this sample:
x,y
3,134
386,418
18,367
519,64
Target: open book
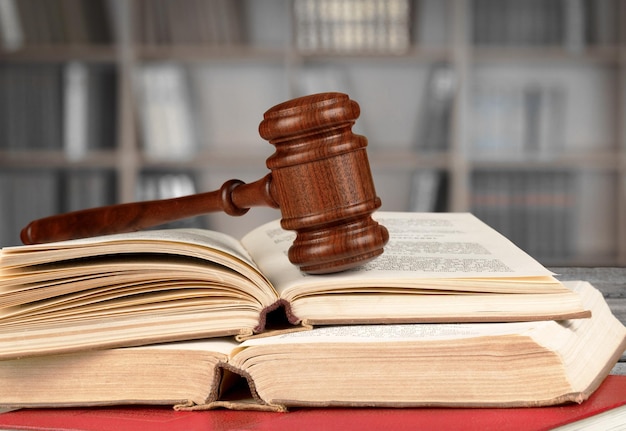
x,y
158,286
398,365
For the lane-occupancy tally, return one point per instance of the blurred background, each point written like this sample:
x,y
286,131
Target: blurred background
x,y
511,109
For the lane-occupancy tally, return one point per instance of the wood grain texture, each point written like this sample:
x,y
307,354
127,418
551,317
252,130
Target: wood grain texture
x,y
320,179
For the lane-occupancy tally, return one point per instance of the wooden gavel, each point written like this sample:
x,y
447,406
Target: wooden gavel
x,y
320,179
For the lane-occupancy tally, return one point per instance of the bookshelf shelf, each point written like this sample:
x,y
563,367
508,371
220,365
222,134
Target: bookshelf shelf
x,y
454,111
201,54
408,160
588,161
606,55
56,53
209,160
415,54
57,159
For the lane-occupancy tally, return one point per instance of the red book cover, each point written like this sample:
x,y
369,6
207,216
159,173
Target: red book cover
x,y
611,394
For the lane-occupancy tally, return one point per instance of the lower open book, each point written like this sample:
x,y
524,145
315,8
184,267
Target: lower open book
x,y
458,365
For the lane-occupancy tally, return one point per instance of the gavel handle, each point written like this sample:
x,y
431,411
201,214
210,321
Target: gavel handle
x,y
233,198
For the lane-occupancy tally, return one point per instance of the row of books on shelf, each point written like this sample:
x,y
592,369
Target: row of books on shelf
x,y
319,25
517,120
89,22
535,210
201,320
508,120
52,22
26,195
352,26
69,107
72,107
185,22
388,26
167,106
572,24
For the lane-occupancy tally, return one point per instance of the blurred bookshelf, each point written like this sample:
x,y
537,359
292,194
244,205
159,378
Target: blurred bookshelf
x,y
511,109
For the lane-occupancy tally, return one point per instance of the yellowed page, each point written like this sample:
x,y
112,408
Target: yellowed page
x,y
221,345
553,361
170,373
343,334
49,252
593,352
430,251
148,287
208,245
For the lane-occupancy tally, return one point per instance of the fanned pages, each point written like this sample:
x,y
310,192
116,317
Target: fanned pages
x,y
467,364
160,286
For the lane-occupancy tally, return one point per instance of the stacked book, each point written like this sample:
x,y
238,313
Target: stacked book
x,y
349,27
189,22
452,314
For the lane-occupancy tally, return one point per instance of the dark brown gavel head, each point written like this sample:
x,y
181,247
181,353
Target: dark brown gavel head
x,y
322,182
320,179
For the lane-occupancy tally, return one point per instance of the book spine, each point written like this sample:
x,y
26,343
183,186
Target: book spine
x,y
11,32
349,26
76,112
166,113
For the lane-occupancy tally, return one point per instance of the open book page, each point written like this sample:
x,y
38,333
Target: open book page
x,y
122,287
577,338
221,345
208,245
433,251
532,363
22,255
139,288
345,334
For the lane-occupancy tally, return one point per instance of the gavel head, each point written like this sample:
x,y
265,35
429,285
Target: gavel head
x,y
322,182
